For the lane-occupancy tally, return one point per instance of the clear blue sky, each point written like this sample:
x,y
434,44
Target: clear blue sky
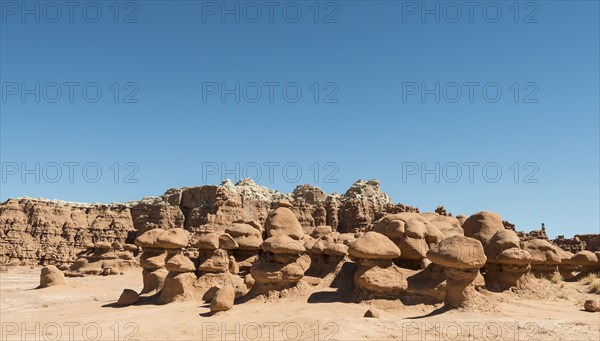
x,y
369,120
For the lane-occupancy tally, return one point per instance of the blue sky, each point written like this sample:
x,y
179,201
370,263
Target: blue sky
x,y
168,124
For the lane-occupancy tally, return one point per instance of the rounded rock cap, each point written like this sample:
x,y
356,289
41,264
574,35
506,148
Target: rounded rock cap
x,y
207,241
374,245
458,252
284,203
513,256
283,244
148,238
483,225
176,238
542,252
585,258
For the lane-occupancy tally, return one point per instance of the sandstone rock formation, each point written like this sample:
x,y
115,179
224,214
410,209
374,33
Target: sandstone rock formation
x,y
545,257
462,257
248,236
223,299
507,264
377,276
567,267
152,261
51,276
414,233
281,266
326,253
586,261
215,265
38,231
128,297
104,258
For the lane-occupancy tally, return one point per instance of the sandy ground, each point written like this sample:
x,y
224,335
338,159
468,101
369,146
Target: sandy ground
x,y
84,310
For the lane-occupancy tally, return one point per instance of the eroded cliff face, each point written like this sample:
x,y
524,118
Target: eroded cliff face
x,y
36,231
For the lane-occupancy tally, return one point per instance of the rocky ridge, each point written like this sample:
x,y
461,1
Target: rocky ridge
x,y
41,231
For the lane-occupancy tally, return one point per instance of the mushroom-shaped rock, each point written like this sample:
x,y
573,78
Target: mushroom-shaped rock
x,y
283,245
507,269
148,238
483,225
500,241
282,221
376,275
373,245
545,257
223,299
175,238
458,252
461,257
506,262
51,276
412,233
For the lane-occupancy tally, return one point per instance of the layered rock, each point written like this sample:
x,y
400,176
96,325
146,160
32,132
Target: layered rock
x,y
104,258
38,231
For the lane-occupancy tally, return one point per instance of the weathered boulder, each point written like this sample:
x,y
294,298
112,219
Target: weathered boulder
x,y
51,276
223,299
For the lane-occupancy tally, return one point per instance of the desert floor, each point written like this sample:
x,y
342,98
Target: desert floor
x,y
84,310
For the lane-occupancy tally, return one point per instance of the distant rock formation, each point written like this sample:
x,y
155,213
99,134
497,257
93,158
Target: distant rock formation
x,y
579,242
40,231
